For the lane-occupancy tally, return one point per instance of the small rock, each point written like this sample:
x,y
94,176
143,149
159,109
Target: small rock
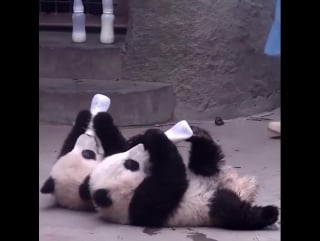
x,y
219,121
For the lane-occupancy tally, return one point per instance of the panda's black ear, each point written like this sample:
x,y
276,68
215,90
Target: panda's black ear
x,y
48,186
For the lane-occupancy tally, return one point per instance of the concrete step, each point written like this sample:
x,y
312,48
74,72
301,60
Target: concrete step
x,y
132,103
64,21
59,57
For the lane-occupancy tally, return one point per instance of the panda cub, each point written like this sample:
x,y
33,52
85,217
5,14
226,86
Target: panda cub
x,y
79,155
149,185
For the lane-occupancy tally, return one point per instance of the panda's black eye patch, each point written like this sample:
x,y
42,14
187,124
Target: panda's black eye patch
x,y
48,186
131,165
89,154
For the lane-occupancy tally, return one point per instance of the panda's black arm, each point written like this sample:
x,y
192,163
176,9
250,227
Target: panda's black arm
x,y
205,155
160,193
81,124
112,140
135,140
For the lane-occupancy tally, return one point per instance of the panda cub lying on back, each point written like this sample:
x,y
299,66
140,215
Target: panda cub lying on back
x,y
149,185
79,155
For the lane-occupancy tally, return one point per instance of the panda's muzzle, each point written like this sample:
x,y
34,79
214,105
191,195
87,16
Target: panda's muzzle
x,y
101,198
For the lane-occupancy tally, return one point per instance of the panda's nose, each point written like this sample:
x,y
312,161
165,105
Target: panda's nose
x,y
101,198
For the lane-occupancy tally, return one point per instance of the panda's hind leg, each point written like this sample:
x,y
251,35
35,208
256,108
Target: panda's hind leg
x,y
228,211
205,154
80,126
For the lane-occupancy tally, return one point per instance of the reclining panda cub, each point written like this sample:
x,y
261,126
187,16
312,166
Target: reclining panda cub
x,y
149,185
79,155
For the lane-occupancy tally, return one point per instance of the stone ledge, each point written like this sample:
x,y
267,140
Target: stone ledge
x,y
132,103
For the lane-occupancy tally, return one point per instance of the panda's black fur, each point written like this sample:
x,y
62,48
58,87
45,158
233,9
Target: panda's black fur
x,y
165,196
81,124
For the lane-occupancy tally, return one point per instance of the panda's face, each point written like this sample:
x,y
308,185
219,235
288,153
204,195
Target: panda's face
x,y
69,172
113,182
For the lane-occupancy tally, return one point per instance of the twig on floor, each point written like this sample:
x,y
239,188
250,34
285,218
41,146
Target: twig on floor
x,y
262,117
259,119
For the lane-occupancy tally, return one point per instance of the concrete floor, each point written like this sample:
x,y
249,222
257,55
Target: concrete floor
x,y
247,145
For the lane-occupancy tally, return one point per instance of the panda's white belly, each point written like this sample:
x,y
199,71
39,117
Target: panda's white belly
x,y
194,207
244,186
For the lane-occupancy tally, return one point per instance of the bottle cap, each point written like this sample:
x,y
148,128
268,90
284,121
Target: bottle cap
x,y
107,6
78,6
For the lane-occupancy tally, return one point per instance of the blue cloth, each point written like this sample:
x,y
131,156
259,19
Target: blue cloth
x,y
273,45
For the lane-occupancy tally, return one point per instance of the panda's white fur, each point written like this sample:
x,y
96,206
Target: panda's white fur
x,y
245,186
122,182
194,207
69,172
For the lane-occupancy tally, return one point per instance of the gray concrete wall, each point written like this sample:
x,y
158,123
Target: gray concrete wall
x,y
211,50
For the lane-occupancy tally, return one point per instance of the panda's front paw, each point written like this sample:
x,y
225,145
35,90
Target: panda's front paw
x,y
199,134
154,139
83,119
102,120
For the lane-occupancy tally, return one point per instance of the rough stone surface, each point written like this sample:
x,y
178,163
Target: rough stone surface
x,y
132,103
210,50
